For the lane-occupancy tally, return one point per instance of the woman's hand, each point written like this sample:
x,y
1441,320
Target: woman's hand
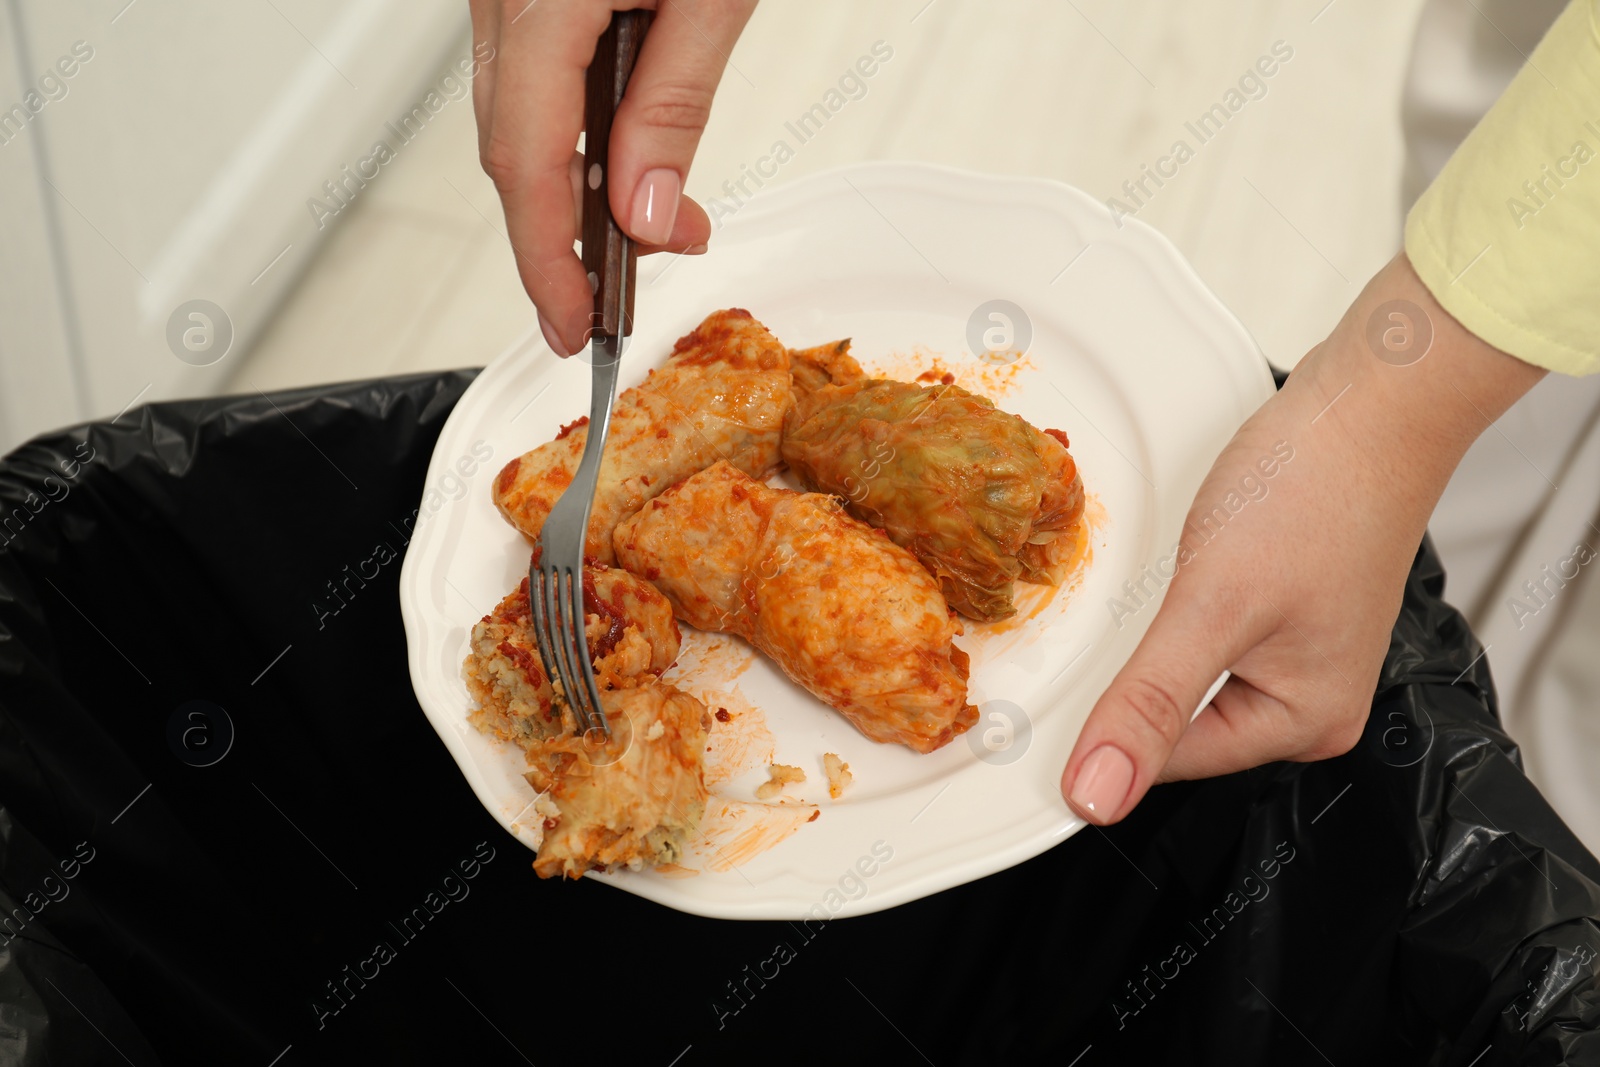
x,y
529,105
1293,581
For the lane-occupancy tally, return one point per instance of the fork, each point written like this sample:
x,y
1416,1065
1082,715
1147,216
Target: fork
x,y
555,578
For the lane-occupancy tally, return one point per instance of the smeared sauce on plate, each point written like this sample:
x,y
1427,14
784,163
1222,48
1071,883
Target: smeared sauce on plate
x,y
739,743
709,661
672,870
927,367
735,832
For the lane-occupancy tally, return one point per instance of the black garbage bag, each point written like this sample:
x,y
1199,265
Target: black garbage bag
x,y
229,835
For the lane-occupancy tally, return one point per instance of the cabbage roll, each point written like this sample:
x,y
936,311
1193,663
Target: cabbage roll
x,y
981,497
632,638
844,611
721,395
634,802
635,806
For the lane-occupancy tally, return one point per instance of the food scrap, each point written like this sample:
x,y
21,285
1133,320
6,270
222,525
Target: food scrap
x,y
780,775
838,772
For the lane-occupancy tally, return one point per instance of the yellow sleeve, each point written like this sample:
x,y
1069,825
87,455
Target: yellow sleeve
x,y
1508,237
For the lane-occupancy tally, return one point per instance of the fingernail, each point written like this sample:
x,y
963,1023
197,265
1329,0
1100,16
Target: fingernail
x,y
694,250
1103,783
552,338
655,206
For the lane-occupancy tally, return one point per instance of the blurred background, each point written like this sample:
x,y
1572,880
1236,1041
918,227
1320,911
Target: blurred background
x,y
186,158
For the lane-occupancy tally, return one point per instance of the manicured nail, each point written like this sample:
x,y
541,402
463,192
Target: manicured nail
x,y
1103,783
694,250
552,338
655,206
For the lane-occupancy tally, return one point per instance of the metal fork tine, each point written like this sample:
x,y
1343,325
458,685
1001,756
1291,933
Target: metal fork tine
x,y
572,641
542,635
588,689
562,642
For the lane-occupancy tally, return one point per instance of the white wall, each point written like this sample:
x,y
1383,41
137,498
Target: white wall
x,y
175,163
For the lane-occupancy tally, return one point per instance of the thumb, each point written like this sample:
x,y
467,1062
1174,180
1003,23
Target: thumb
x,y
662,115
1140,718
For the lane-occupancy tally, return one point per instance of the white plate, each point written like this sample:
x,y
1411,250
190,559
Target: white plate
x,y
1131,355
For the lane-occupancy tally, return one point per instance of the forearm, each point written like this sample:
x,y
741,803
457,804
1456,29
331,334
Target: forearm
x,y
1407,388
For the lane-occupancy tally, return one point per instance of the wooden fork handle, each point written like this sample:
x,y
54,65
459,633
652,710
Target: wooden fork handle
x,y
608,254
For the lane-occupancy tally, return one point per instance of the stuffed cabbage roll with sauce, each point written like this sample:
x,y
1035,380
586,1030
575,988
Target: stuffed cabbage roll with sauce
x,y
635,801
721,395
977,494
844,611
632,639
